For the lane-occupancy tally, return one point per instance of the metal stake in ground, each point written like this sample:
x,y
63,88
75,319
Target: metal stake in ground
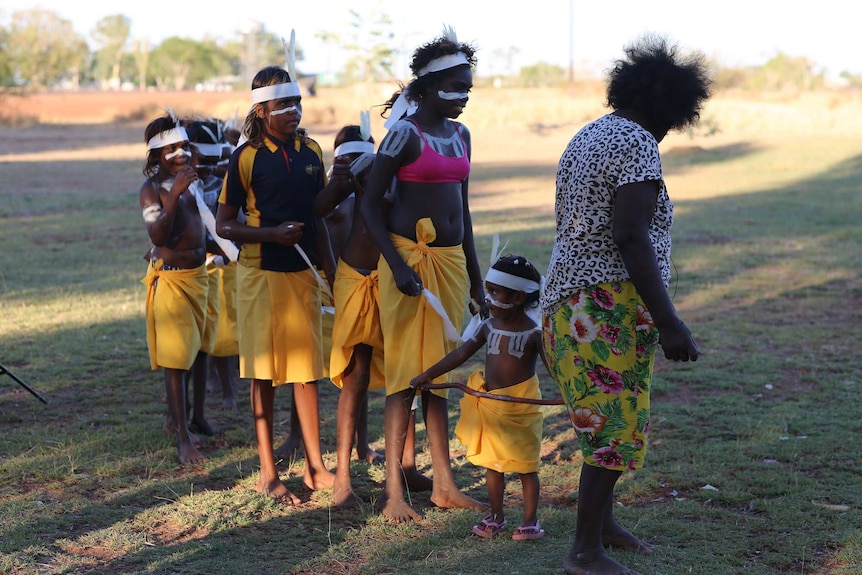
x,y
4,371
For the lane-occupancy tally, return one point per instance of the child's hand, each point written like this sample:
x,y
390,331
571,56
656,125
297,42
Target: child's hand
x,y
419,381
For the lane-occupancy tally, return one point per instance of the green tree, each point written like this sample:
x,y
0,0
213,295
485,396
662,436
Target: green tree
x,y
783,72
543,74
370,44
7,79
44,49
111,35
180,62
141,57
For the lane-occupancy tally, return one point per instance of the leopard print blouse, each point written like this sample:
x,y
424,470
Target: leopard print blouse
x,y
604,155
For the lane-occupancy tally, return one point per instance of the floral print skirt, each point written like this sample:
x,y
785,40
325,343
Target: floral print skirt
x,y
600,347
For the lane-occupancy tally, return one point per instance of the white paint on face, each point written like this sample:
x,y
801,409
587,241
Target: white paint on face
x,y
453,95
285,110
497,304
151,213
180,152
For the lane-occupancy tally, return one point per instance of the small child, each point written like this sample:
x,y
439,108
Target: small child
x,y
503,436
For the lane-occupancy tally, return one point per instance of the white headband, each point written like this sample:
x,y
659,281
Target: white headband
x,y
443,63
276,91
510,281
287,89
209,149
353,147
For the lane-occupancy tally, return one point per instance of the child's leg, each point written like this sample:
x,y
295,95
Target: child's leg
x,y
199,386
225,368
307,410
354,388
262,406
444,493
175,390
363,450
414,480
496,485
294,436
396,416
530,488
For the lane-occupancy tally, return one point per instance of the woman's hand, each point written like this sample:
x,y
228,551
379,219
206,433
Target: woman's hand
x,y
676,342
287,233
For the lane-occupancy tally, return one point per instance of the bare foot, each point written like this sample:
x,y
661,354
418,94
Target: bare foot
x,y
454,499
170,430
370,456
343,496
203,426
623,539
593,562
277,490
189,454
288,449
415,481
316,479
397,511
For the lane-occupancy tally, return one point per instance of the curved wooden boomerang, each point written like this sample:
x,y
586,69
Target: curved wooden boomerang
x,y
509,398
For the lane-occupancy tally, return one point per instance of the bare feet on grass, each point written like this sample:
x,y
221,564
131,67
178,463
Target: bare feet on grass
x,y
623,539
397,510
454,499
343,496
170,430
203,427
593,562
370,456
189,454
317,479
277,490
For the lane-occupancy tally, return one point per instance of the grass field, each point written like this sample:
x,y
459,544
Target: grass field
x,y
754,461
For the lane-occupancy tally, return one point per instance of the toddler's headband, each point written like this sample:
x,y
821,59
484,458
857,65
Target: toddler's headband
x,y
511,281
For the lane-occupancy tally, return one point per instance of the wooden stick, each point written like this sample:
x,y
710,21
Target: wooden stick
x,y
508,398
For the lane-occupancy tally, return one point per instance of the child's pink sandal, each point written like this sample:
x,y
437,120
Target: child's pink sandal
x,y
488,528
526,532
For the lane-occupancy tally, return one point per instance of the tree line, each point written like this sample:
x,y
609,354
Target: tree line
x,y
40,50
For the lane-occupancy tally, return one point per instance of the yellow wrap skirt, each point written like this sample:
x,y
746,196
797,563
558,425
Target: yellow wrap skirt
x,y
501,435
357,321
226,343
176,314
414,334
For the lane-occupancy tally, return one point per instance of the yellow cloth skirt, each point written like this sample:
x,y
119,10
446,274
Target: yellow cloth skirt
x,y
414,335
357,321
500,435
226,343
208,340
176,314
279,325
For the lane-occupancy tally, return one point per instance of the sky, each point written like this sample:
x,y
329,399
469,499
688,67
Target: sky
x,y
586,35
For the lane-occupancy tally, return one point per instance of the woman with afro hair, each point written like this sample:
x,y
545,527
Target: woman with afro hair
x,y
605,304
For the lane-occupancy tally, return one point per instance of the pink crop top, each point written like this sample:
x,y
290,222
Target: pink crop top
x,y
432,167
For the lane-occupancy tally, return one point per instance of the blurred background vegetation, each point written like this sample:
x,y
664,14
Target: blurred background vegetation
x,y
40,51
